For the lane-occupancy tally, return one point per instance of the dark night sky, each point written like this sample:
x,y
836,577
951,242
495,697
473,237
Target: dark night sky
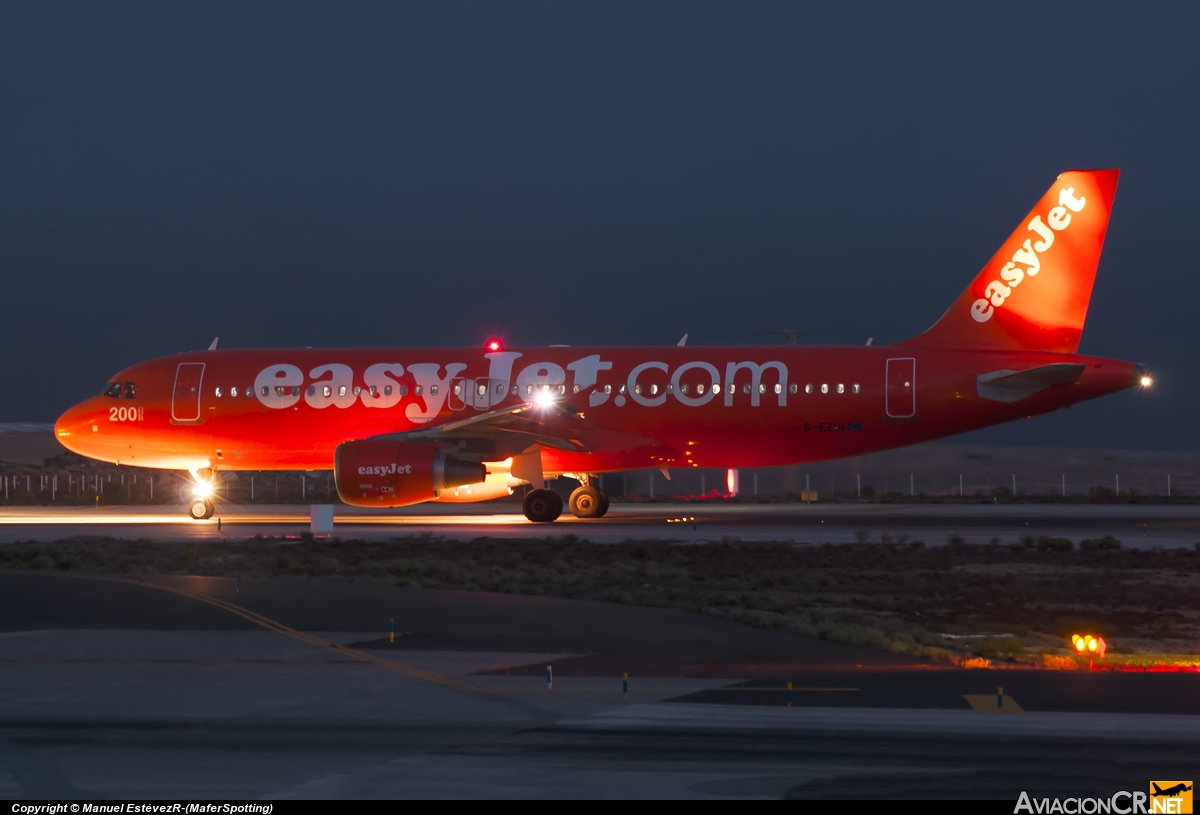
x,y
401,174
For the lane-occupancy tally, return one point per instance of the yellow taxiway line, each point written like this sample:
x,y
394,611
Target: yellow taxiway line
x,y
183,520
302,636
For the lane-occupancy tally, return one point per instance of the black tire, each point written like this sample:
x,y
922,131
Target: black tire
x,y
201,509
542,506
587,502
603,509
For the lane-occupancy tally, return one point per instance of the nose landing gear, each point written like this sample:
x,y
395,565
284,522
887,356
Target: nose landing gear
x,y
201,509
202,505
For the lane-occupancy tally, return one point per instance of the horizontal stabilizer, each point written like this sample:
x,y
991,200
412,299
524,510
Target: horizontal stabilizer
x,y
1011,386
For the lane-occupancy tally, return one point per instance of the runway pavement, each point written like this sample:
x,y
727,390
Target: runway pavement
x,y
188,687
1149,525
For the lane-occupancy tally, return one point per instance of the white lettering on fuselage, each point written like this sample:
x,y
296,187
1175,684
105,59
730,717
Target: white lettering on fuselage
x,y
648,384
126,414
390,469
1057,219
433,389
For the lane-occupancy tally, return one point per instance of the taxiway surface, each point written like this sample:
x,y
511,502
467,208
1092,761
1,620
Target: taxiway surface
x,y
190,687
1151,525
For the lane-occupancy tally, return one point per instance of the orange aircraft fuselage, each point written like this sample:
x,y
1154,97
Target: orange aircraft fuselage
x,y
703,406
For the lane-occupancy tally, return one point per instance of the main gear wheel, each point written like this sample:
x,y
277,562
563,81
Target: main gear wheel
x,y
542,506
588,502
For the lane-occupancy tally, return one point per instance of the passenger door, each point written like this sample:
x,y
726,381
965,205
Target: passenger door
x,y
185,399
901,396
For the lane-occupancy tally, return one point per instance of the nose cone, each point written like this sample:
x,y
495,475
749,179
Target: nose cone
x,y
73,428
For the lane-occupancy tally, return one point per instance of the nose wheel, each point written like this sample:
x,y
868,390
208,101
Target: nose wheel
x,y
202,506
542,506
201,509
588,502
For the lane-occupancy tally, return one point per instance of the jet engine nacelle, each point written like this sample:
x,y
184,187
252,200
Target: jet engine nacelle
x,y
497,485
378,473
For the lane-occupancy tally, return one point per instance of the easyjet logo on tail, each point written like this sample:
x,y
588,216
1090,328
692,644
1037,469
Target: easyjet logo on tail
x,y
1025,261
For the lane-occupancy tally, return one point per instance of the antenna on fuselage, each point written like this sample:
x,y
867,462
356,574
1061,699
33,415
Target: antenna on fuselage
x,y
213,346
682,341
870,340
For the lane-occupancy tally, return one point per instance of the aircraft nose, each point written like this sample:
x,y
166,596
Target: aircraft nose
x,y
73,427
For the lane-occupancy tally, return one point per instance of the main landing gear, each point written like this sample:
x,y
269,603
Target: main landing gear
x,y
544,506
588,502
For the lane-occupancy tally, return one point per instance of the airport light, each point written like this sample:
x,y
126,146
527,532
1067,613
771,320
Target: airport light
x,y
1087,644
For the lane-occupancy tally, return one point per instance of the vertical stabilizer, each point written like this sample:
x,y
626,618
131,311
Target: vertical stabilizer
x,y
1033,294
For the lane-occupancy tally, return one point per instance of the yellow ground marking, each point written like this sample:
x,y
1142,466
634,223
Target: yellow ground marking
x,y
806,690
986,703
663,688
172,661
243,514
397,667
242,518
302,636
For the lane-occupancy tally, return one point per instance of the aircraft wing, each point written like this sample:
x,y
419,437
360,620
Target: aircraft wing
x,y
559,428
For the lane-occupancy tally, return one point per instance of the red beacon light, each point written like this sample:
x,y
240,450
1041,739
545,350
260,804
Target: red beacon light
x,y
494,344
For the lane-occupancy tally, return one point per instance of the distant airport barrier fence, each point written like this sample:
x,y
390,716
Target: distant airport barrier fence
x,y
124,485
826,483
130,486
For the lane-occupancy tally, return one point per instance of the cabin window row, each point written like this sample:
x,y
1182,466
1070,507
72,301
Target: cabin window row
x,y
326,390
701,389
130,389
777,388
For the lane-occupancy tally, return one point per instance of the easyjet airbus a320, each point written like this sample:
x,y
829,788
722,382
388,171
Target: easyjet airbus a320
x,y
403,426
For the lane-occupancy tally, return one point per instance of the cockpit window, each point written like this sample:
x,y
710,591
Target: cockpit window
x,y
130,390
113,391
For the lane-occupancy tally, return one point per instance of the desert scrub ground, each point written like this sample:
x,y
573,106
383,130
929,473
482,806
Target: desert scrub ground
x,y
1016,603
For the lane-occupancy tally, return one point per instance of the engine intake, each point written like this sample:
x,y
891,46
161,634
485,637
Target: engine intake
x,y
377,473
